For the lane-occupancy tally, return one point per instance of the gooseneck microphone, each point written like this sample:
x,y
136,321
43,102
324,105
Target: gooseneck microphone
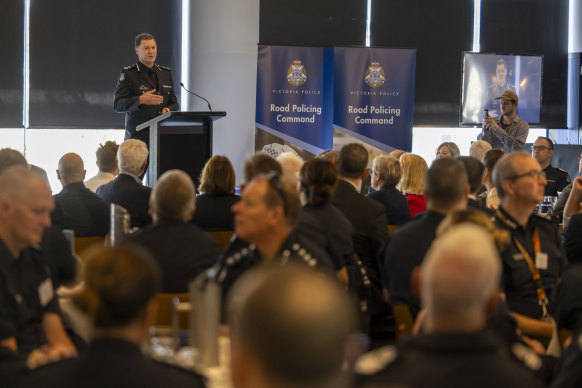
x,y
194,94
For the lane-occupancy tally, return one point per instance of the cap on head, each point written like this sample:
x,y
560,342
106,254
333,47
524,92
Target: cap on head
x,y
509,95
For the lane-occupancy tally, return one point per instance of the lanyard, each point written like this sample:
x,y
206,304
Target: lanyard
x,y
537,278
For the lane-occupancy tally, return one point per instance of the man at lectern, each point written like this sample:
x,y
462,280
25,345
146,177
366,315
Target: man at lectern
x,y
144,90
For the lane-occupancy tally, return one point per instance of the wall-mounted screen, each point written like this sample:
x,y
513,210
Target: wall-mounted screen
x,y
487,76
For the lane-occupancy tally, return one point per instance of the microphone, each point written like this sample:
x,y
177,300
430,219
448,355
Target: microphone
x,y
194,94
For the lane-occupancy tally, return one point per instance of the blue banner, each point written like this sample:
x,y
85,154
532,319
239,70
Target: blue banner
x,y
294,98
374,95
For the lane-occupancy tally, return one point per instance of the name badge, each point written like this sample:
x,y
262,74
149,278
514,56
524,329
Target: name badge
x,y
517,256
542,260
45,292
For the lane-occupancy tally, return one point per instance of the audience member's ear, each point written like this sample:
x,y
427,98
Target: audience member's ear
x,y
190,213
492,303
467,192
84,174
365,174
143,167
58,174
415,278
151,207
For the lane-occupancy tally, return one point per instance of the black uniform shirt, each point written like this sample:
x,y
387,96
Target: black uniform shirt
x,y
26,294
517,278
557,180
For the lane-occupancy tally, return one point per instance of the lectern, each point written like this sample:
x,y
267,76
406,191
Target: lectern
x,y
181,140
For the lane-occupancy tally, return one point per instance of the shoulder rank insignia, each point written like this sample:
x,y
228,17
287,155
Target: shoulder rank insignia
x,y
376,360
160,67
527,356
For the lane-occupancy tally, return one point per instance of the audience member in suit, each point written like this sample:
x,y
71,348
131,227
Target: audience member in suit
x,y
490,160
120,285
214,203
459,286
476,174
386,173
411,183
446,191
127,189
290,328
182,250
76,207
106,156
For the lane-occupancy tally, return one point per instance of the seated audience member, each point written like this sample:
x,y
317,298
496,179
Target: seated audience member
x,y
30,322
76,207
120,285
10,157
290,328
476,173
265,217
572,240
448,149
213,204
560,204
459,287
106,156
479,148
446,191
127,189
542,151
411,183
574,202
329,155
489,160
386,173
568,373
534,261
182,250
291,165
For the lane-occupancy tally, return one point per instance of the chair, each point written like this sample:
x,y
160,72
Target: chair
x,y
82,244
166,306
403,320
223,238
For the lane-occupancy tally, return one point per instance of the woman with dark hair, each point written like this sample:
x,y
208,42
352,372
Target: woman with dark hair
x,y
118,297
216,196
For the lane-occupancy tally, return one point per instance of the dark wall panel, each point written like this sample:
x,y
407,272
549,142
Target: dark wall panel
x,y
440,31
77,49
313,22
534,27
12,49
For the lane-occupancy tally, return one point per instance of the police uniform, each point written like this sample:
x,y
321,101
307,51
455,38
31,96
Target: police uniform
x,y
26,294
475,359
134,81
112,363
557,180
548,256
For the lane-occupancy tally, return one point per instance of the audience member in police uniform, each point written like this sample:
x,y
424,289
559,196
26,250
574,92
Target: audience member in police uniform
x,y
120,285
569,317
386,173
182,250
76,207
459,289
290,328
106,160
534,260
446,191
265,217
127,189
557,179
476,173
144,90
30,323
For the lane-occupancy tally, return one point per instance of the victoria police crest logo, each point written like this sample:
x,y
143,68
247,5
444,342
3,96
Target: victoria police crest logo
x,y
296,74
375,76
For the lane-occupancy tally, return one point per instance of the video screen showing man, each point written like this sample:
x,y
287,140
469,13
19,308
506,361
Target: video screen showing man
x,y
501,84
144,90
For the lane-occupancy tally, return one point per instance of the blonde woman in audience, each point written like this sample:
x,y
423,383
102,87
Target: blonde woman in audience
x,y
489,160
448,149
411,183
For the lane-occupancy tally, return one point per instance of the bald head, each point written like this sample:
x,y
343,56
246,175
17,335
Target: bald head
x,y
173,196
294,323
460,274
71,169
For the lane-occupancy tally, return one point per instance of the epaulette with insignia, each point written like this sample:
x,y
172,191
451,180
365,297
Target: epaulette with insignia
x,y
302,253
163,67
527,356
126,68
545,217
376,360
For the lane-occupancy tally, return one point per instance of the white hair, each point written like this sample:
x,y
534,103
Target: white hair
x,y
291,165
131,155
479,148
460,273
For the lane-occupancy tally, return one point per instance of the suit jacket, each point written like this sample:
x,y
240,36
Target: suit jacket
x,y
112,363
182,251
213,212
395,204
132,83
79,209
127,192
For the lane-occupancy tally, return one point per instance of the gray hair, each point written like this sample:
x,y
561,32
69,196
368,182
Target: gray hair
x,y
131,155
479,148
388,168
